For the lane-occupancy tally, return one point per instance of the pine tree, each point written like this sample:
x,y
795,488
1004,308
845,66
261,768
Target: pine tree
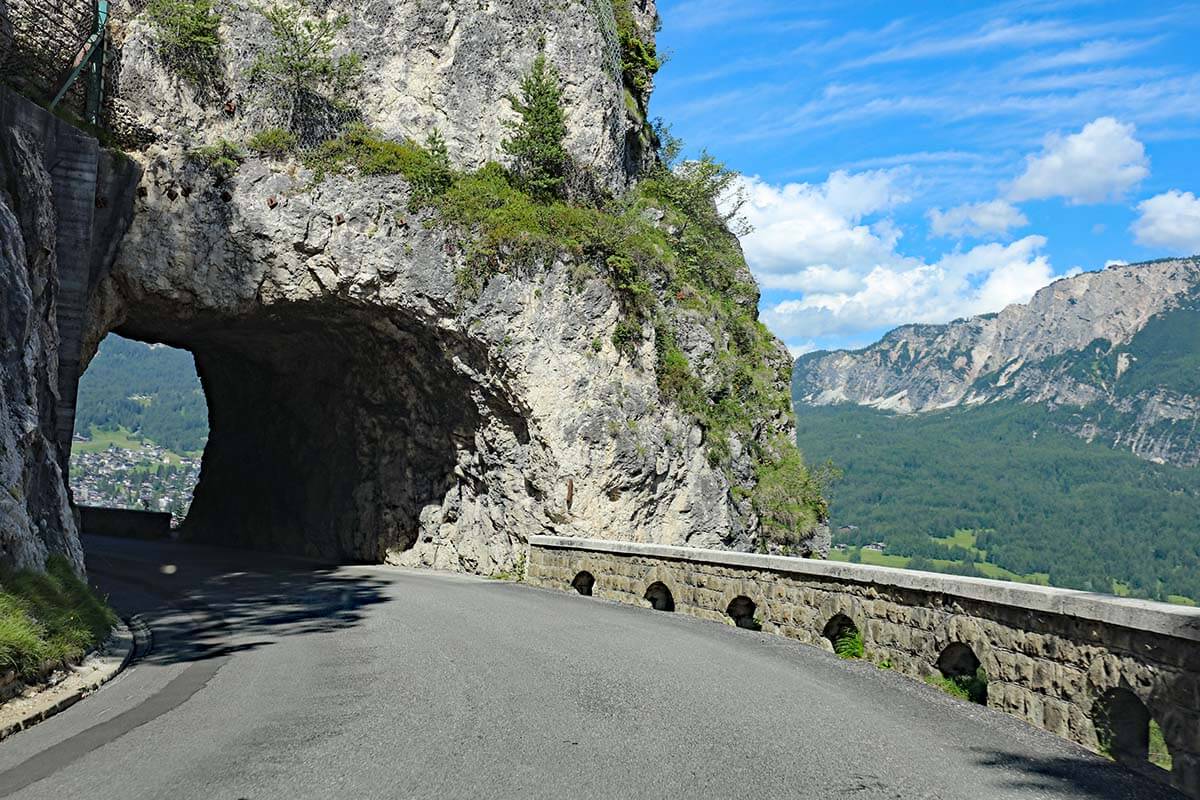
x,y
540,159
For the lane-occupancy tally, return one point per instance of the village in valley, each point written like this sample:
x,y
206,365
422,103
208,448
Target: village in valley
x,y
132,474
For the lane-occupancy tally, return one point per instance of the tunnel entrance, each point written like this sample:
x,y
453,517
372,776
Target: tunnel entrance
x,y
333,431
1128,733
141,423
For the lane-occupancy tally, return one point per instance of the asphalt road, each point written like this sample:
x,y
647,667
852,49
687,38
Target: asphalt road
x,y
270,679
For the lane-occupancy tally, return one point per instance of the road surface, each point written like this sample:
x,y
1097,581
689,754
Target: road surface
x,y
275,679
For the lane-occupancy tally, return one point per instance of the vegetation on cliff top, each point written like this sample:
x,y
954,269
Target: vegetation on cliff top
x,y
187,33
48,618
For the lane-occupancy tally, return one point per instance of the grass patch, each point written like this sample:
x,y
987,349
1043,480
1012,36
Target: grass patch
x,y
221,158
48,617
515,575
273,142
849,644
875,558
124,439
1160,756
972,688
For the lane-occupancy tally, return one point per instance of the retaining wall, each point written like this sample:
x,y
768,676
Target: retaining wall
x,y
1062,660
125,522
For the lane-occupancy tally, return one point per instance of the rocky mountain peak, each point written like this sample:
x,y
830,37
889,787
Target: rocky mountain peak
x,y
1072,345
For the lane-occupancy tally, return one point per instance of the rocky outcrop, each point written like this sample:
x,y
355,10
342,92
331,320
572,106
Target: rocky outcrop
x,y
362,403
1088,345
61,212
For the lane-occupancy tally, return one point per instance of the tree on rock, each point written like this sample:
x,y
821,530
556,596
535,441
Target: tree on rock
x,y
540,159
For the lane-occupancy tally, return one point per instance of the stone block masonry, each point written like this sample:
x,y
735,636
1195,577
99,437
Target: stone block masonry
x,y
1090,668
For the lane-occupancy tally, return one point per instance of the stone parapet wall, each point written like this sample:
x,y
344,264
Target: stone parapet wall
x,y
1056,658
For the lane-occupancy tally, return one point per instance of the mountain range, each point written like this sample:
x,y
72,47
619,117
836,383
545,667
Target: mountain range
x,y
1062,433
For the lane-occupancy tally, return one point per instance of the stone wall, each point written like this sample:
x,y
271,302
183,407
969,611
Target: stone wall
x,y
1059,659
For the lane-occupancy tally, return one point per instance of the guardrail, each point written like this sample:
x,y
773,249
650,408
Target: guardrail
x,y
1106,672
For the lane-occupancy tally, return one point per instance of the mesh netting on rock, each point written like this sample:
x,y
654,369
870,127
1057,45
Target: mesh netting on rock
x,y
40,42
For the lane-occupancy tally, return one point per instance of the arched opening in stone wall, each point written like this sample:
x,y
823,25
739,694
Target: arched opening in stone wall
x,y
140,428
963,673
742,611
844,636
659,597
584,582
1127,732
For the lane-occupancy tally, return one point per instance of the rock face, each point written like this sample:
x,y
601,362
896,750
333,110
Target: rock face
x,y
1111,347
445,66
64,203
361,404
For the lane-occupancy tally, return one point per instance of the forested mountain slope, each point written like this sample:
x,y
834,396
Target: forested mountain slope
x,y
1036,499
149,390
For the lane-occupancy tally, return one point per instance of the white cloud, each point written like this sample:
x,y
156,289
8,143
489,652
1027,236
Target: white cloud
x,y
811,237
830,255
976,219
986,278
1171,221
1102,161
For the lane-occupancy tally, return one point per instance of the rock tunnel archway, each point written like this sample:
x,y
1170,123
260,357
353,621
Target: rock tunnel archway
x,y
331,435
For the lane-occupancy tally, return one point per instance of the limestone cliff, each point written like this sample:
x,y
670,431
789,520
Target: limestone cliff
x,y
1115,350
363,401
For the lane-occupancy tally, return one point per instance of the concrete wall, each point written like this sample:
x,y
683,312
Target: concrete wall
x,y
1053,656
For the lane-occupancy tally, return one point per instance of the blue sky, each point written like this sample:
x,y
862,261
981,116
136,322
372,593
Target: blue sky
x,y
921,161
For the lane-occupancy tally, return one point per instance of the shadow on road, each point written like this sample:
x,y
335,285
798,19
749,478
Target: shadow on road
x,y
204,603
234,614
1075,777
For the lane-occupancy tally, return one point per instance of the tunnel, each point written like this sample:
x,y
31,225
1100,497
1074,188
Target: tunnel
x,y
330,430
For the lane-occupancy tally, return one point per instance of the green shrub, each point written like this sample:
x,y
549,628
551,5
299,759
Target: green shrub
x,y
626,336
51,616
299,72
221,158
273,142
427,169
789,498
540,159
849,644
639,58
187,34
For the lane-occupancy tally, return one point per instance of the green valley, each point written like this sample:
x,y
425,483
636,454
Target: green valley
x,y
1001,491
